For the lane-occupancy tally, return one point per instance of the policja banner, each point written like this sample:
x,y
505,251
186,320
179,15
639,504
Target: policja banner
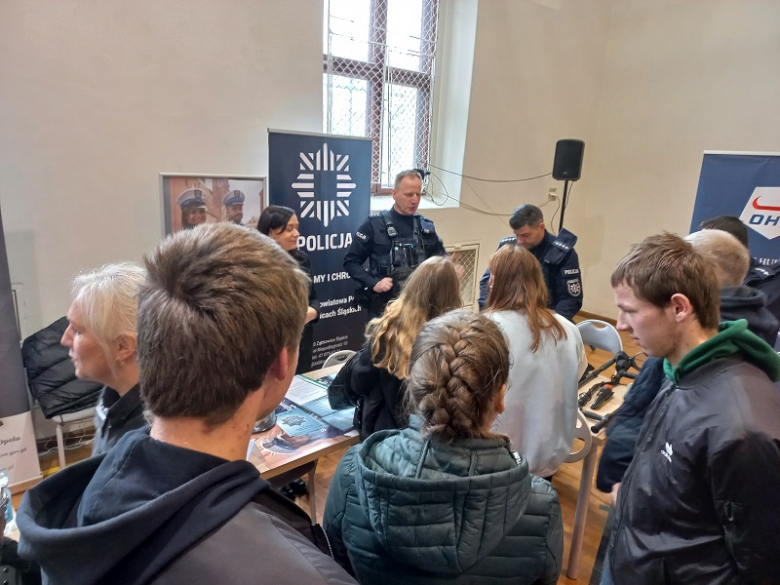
x,y
326,180
745,185
18,455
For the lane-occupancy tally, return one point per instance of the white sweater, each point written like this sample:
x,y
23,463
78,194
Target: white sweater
x,y
541,398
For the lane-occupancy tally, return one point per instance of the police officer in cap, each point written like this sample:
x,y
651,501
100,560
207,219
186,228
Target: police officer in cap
x,y
560,264
234,206
394,242
193,208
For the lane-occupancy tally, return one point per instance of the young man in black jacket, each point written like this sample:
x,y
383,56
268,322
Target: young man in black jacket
x,y
219,321
700,502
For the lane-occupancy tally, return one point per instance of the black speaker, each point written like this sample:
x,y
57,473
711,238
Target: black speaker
x,y
568,159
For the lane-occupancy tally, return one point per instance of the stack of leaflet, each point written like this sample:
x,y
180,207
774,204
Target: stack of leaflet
x,y
308,397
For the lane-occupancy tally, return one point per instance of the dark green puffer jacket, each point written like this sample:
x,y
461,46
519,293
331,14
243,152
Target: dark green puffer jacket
x,y
403,508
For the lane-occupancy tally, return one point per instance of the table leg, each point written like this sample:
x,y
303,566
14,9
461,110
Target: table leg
x,y
581,513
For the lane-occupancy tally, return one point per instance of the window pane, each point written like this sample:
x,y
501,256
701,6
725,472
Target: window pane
x,y
404,23
349,24
348,98
399,131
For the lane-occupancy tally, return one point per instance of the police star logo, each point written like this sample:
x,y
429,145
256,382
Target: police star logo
x,y
574,287
313,204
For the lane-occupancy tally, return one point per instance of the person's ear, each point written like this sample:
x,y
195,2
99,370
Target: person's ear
x,y
498,403
284,361
125,347
682,307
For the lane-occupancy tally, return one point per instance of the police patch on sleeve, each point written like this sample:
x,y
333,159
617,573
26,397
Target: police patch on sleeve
x,y
361,236
574,287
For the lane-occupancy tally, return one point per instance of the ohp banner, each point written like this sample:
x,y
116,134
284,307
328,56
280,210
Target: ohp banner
x,y
746,185
327,181
18,455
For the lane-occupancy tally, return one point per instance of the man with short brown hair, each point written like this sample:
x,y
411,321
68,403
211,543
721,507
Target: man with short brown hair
x,y
219,320
700,503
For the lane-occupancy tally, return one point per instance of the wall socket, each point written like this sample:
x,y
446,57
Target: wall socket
x,y
552,194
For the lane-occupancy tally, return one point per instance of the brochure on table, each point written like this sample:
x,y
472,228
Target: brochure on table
x,y
305,422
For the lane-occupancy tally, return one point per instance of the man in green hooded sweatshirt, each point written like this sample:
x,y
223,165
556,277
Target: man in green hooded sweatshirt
x,y
700,502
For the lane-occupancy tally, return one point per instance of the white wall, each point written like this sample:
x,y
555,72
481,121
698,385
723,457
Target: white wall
x,y
679,78
536,79
97,98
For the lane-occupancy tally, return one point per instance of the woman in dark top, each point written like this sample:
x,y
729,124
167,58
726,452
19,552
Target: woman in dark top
x,y
281,224
101,336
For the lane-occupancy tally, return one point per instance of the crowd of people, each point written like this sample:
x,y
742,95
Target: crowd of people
x,y
464,416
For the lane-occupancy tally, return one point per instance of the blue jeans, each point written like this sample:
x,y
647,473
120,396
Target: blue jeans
x,y
606,570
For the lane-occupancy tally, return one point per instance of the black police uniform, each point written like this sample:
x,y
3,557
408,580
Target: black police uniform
x,y
767,280
394,245
561,270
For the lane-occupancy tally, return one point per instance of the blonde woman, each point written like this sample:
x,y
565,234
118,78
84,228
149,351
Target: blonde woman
x,y
547,360
374,377
101,335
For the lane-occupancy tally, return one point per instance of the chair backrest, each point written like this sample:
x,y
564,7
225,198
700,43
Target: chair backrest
x,y
582,432
337,358
601,335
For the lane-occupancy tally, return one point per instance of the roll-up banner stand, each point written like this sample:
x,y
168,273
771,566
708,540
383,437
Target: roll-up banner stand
x,y
745,185
18,455
327,181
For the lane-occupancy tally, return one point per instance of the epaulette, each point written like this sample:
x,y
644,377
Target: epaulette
x,y
507,240
759,273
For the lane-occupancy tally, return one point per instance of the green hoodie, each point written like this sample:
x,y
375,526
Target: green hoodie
x,y
733,338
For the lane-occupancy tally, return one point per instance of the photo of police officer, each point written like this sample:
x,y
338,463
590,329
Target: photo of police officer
x,y
233,202
190,200
193,208
394,242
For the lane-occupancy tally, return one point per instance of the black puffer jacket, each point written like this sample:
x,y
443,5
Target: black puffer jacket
x,y
700,503
51,375
375,391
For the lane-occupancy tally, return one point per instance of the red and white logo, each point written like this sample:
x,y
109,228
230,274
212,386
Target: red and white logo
x,y
762,212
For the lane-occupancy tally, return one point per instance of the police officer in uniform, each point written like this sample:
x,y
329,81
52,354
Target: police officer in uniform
x,y
560,264
394,242
234,206
193,208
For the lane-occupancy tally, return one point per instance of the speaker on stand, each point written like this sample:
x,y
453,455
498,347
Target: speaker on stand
x,y
567,166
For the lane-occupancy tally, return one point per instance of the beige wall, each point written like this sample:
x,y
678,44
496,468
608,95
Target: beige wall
x,y
536,79
679,78
97,98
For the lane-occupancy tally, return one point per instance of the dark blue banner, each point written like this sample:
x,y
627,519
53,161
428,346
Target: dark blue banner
x,y
746,186
327,181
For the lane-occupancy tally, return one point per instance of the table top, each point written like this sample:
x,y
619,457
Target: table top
x,y
273,460
608,407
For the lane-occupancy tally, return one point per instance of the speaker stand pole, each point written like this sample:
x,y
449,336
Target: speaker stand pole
x,y
563,203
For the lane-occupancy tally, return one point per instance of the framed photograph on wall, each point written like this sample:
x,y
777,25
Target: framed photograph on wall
x,y
192,199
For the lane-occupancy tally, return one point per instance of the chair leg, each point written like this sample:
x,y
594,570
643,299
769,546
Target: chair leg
x,y
60,446
312,494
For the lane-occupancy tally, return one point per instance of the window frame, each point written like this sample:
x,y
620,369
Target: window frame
x,y
376,69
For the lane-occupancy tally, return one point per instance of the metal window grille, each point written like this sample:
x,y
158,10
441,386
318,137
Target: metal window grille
x,y
466,256
378,68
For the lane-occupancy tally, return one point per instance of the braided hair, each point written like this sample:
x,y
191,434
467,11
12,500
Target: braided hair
x,y
460,361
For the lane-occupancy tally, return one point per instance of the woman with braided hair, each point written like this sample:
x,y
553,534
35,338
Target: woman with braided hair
x,y
445,500
548,359
373,379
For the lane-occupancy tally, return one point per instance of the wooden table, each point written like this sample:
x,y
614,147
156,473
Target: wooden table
x,y
586,479
286,466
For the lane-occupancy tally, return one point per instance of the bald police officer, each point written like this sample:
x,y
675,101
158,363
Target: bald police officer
x,y
394,242
233,201
560,264
193,208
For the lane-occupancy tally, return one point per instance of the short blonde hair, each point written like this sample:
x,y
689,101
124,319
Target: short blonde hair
x,y
107,299
725,253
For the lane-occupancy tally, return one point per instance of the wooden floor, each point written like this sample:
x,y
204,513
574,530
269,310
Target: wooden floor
x,y
566,482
